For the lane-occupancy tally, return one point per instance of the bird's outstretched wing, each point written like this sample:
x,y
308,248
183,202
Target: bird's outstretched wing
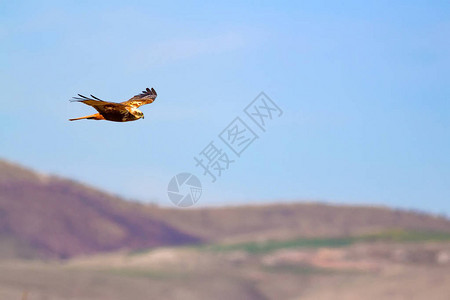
x,y
100,105
146,97
94,101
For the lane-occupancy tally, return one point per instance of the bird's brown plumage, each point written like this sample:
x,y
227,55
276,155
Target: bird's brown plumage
x,y
146,97
118,112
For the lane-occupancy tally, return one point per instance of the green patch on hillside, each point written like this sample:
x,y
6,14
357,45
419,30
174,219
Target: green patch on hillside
x,y
299,270
384,236
401,235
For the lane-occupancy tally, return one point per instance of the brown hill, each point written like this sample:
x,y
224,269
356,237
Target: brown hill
x,y
53,217
292,220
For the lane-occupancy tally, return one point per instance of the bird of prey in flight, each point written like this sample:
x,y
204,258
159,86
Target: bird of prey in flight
x,y
117,112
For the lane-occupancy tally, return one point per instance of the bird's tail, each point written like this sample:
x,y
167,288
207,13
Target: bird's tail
x,y
91,117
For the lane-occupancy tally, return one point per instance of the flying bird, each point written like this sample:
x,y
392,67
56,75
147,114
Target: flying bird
x,y
117,112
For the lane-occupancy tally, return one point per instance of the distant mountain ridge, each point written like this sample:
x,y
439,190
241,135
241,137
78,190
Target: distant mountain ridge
x,y
47,216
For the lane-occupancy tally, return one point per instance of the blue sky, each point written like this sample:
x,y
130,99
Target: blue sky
x,y
364,87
